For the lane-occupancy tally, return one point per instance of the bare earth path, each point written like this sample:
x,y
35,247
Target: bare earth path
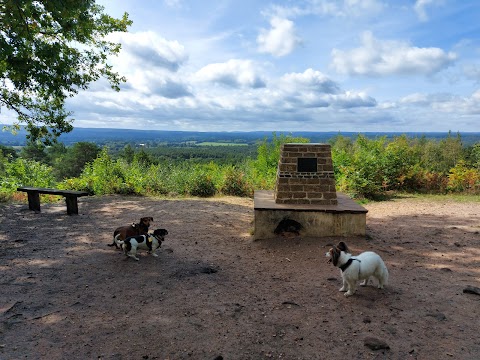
x,y
213,293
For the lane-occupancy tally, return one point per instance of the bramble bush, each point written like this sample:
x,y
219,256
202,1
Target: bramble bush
x,y
235,183
463,179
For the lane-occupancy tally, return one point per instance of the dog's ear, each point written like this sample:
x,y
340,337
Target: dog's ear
x,y
335,252
342,247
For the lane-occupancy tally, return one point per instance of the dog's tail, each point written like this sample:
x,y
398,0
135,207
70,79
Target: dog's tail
x,y
116,242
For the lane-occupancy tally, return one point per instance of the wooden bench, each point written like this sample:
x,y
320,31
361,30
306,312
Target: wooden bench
x,y
70,197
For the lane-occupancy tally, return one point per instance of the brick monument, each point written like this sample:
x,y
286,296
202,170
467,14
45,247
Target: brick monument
x,y
305,199
305,175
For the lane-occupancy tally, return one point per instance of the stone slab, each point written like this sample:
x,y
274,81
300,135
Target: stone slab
x,y
346,218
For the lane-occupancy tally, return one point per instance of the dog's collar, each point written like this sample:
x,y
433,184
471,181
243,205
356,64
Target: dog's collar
x,y
347,264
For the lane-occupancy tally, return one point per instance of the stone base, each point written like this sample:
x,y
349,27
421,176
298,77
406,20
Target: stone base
x,y
347,218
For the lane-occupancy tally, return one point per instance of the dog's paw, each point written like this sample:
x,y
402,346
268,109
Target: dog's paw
x,y
348,293
342,289
364,283
153,254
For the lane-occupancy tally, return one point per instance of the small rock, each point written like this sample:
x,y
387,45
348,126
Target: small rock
x,y
472,290
439,316
446,269
375,344
208,270
367,320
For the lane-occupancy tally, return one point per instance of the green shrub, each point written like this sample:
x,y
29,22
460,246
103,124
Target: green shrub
x,y
464,179
235,183
22,172
201,185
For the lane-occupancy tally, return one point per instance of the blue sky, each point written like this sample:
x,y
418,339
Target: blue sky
x,y
312,65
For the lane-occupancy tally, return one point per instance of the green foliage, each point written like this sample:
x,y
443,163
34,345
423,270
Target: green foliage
x,y
8,152
73,160
441,156
464,179
366,168
141,157
235,183
128,153
24,172
102,176
34,150
365,176
474,156
370,167
48,51
228,155
201,185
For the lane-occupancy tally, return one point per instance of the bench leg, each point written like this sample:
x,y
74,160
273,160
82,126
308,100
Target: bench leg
x,y
33,200
72,205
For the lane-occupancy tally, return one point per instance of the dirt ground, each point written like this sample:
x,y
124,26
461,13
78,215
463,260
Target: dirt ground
x,y
214,293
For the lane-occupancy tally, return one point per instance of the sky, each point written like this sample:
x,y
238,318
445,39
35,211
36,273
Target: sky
x,y
311,65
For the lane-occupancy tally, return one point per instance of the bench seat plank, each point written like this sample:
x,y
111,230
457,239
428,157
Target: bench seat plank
x,y
71,196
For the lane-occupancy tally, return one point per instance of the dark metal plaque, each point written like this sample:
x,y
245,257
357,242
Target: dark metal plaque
x,y
307,165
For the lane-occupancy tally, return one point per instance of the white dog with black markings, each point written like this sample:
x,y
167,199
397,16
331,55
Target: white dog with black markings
x,y
149,242
356,268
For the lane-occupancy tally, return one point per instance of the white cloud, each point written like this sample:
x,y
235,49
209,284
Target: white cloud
x,y
147,49
444,103
312,89
280,39
234,73
377,58
420,7
176,4
352,8
310,80
415,98
472,72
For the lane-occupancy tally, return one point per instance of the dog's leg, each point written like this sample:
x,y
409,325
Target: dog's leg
x,y
133,256
365,282
133,253
352,287
344,285
381,282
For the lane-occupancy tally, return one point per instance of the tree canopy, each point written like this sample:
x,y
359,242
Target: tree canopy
x,y
49,50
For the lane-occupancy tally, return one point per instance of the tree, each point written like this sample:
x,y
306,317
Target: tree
x,y
71,163
34,151
50,49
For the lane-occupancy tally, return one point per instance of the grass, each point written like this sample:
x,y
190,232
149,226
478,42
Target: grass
x,y
446,197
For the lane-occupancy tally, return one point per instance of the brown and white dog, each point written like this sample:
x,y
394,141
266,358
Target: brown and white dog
x,y
355,268
149,242
123,232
